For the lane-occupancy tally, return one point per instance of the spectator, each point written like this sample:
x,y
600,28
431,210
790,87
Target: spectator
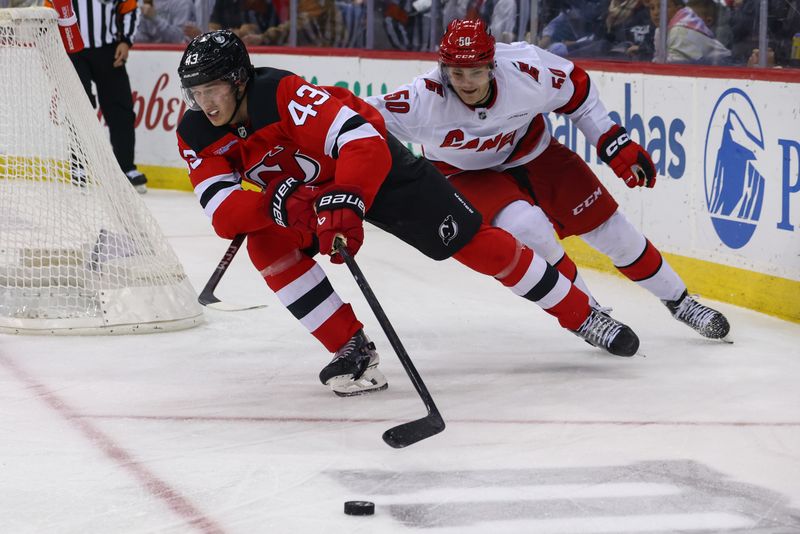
x,y
167,21
783,21
503,16
407,24
783,24
629,30
319,23
499,15
752,61
689,39
354,15
202,13
244,17
743,24
454,9
107,28
574,28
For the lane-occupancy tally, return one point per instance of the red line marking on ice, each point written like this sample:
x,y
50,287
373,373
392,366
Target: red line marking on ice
x,y
155,486
577,422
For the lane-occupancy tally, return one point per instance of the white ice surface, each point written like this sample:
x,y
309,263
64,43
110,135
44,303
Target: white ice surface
x,y
225,427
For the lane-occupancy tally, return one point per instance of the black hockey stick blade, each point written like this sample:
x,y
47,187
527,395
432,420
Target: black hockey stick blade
x,y
207,297
232,307
407,433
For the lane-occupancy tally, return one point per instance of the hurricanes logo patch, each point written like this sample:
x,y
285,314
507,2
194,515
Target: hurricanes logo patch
x,y
448,230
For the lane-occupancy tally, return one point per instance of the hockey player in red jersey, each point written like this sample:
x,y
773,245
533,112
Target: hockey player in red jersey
x,y
325,163
478,117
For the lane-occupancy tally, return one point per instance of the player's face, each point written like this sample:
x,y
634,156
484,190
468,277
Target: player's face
x,y
217,100
471,84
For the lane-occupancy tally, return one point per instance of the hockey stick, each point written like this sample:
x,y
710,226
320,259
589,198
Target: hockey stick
x,y
408,433
207,297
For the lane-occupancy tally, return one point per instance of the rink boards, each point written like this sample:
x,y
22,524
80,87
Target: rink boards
x,y
727,203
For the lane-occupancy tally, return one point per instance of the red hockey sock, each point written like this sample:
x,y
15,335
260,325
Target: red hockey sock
x,y
338,328
645,266
306,292
567,267
495,252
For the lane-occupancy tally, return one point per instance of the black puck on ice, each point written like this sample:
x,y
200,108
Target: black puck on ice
x,y
359,508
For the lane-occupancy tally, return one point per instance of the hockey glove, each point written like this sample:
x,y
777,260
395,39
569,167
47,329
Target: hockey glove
x,y
629,160
289,207
340,212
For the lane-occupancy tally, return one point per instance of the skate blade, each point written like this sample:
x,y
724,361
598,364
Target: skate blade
x,y
361,391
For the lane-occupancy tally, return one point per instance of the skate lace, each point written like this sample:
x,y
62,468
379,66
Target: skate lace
x,y
693,313
347,349
356,349
599,330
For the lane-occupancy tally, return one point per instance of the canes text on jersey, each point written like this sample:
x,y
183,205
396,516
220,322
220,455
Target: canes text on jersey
x,y
455,139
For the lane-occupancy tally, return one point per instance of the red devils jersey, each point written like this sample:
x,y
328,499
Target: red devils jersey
x,y
509,130
316,135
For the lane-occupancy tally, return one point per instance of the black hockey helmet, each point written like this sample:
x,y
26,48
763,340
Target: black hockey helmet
x,y
217,55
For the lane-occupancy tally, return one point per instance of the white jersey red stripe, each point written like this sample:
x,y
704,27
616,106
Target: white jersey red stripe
x,y
501,134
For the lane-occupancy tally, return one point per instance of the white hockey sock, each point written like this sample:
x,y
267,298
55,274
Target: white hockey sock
x,y
532,228
635,257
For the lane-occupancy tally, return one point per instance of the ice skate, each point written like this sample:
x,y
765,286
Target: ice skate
x,y
137,180
354,368
708,322
603,331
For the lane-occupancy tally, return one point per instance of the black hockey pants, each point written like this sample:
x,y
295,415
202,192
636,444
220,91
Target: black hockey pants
x,y
114,96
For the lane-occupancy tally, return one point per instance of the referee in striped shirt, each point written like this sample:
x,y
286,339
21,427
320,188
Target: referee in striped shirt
x,y
107,28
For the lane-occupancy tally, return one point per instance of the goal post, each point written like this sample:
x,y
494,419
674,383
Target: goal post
x,y
80,252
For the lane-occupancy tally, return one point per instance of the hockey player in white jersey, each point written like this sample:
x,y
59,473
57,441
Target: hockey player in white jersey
x,y
478,117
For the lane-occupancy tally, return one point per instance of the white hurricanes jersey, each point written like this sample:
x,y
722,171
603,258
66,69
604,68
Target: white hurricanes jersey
x,y
507,132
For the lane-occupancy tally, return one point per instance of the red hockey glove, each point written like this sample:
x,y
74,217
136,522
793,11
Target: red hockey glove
x,y
340,212
629,160
288,207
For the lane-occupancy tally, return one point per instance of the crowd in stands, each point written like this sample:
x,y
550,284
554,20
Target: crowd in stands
x,y
718,32
326,23
698,31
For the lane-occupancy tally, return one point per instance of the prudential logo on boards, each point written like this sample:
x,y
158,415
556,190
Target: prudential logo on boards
x,y
734,185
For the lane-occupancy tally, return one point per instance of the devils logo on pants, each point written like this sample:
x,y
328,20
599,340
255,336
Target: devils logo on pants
x,y
448,230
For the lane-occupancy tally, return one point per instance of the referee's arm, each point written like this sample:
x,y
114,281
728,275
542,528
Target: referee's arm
x,y
128,20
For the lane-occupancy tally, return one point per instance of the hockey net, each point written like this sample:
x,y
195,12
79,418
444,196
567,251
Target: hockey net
x,y
79,250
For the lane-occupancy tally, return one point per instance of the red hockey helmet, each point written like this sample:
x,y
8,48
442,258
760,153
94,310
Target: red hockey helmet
x,y
466,43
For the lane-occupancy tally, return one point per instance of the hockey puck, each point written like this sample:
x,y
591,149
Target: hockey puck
x,y
359,508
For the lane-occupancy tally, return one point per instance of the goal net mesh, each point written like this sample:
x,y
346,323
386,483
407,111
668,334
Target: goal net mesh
x,y
79,250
